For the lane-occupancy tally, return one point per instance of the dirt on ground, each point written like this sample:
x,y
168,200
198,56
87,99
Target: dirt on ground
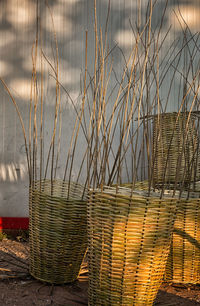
x,y
18,288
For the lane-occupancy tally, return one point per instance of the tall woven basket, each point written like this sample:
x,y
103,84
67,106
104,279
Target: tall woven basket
x,y
183,264
58,230
176,157
129,240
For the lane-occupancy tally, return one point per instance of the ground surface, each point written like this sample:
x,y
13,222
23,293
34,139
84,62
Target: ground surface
x,y
18,288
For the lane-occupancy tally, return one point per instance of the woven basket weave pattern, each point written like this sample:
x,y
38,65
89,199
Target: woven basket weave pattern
x,y
175,149
183,265
58,231
129,240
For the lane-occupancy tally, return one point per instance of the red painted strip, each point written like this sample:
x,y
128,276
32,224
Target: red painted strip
x,y
14,223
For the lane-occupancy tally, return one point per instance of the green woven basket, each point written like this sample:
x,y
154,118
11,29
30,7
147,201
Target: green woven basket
x,y
176,157
139,185
183,264
129,240
58,230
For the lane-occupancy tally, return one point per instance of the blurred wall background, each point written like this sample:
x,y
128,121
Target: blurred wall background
x,y
72,18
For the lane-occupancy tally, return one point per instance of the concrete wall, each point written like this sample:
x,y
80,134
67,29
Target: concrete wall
x,y
71,18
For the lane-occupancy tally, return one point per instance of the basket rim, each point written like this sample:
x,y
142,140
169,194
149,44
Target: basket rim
x,y
44,187
127,192
195,114
168,194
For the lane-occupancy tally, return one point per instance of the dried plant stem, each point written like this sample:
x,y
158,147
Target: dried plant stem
x,y
78,120
35,97
21,122
41,107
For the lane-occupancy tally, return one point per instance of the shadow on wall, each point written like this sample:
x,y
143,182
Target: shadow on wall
x,y
13,171
71,19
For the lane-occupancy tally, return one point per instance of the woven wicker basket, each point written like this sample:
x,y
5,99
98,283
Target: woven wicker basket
x,y
175,149
129,240
183,264
58,230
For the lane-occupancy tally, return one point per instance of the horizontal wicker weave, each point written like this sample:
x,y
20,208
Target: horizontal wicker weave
x,y
175,149
129,240
183,264
58,230
139,185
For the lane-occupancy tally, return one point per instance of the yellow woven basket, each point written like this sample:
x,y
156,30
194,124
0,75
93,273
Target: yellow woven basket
x,y
175,149
129,240
57,230
183,264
